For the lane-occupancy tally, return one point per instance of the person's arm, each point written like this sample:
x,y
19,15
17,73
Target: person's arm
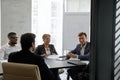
x,y
84,57
40,51
44,55
74,52
53,50
11,57
2,53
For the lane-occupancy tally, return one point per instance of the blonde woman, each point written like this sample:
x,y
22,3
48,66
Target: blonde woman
x,y
46,48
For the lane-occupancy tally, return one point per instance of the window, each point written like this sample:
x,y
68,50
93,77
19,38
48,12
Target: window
x,y
79,5
47,18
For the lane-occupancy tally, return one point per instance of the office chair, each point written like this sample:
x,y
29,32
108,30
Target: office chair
x,y
18,71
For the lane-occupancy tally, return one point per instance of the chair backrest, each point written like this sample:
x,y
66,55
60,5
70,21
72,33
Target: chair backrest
x,y
18,71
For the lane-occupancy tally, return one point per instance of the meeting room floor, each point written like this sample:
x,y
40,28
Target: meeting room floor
x,y
63,76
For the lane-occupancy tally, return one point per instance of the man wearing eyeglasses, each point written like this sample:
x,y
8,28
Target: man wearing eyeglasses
x,y
11,46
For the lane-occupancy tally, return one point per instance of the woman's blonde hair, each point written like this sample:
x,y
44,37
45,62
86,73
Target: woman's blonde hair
x,y
45,35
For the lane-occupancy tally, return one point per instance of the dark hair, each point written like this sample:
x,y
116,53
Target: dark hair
x,y
11,33
82,33
26,40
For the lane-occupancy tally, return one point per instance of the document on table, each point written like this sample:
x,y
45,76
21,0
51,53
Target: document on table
x,y
74,59
52,57
77,61
86,62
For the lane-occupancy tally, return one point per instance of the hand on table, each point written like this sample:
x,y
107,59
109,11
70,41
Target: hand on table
x,y
71,55
45,55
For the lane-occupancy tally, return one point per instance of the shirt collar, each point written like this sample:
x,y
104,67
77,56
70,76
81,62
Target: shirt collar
x,y
84,45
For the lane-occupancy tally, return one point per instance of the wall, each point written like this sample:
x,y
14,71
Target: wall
x,y
73,23
0,22
15,16
102,40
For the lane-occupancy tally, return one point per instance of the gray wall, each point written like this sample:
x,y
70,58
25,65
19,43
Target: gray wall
x,y
0,22
15,16
73,23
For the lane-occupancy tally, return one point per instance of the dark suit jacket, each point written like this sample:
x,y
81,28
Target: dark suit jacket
x,y
31,58
41,50
86,52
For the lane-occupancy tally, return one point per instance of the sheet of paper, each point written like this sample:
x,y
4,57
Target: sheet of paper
x,y
74,59
52,57
87,62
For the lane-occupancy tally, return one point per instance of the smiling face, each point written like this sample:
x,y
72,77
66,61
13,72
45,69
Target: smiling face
x,y
13,39
82,38
46,38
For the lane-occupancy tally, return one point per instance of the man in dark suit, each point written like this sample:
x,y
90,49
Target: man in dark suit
x,y
27,56
82,52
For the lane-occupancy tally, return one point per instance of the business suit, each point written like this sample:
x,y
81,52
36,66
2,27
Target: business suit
x,y
84,75
74,71
25,56
41,49
77,51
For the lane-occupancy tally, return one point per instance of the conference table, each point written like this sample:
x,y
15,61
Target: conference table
x,y
54,62
58,64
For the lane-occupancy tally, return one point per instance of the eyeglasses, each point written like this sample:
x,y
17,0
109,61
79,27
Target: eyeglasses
x,y
14,37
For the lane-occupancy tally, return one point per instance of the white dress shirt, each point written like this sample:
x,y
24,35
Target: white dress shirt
x,y
7,49
47,50
82,50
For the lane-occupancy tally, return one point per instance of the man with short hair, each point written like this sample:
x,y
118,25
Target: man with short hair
x,y
82,52
27,56
11,46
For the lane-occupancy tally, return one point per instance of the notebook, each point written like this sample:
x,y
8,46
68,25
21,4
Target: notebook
x,y
76,62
